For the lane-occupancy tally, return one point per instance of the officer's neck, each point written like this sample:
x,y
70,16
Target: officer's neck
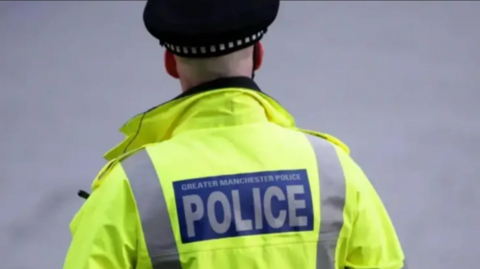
x,y
189,83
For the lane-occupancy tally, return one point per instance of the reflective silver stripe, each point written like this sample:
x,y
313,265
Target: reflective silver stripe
x,y
332,200
153,211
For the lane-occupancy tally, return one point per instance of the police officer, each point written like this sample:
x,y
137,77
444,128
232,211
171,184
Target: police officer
x,y
220,177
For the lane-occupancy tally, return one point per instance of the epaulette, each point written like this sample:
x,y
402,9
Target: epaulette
x,y
105,171
327,137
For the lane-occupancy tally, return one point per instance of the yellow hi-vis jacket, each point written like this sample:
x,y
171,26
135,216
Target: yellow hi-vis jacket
x,y
223,179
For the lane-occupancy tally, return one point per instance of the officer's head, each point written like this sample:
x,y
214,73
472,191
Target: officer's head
x,y
209,39
194,71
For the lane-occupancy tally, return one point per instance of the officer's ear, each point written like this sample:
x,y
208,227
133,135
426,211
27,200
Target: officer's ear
x,y
170,64
258,55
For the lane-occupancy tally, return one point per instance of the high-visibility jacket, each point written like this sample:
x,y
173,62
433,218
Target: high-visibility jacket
x,y
221,178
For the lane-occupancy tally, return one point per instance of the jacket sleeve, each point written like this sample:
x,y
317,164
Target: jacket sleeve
x,y
105,229
374,242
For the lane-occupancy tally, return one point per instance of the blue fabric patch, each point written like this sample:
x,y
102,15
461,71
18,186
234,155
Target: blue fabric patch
x,y
244,204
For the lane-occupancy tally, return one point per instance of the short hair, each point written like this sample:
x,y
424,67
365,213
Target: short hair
x,y
226,65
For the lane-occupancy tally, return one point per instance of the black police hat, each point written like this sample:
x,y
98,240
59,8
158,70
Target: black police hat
x,y
208,28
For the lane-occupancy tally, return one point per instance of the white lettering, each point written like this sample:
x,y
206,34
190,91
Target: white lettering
x,y
219,227
251,208
248,180
293,205
288,177
267,203
240,224
190,215
199,185
257,203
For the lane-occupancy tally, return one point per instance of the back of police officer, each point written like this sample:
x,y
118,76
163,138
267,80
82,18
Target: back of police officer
x,y
220,177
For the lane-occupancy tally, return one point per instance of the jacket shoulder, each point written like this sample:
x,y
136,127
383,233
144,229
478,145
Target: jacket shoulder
x,y
112,164
337,142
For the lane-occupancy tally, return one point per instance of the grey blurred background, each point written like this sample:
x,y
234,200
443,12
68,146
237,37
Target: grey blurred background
x,y
399,82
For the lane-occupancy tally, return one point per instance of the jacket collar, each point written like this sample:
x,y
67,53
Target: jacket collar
x,y
159,123
218,84
222,83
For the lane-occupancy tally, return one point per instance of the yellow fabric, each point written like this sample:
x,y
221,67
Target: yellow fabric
x,y
369,239
260,152
158,124
106,231
102,238
233,131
